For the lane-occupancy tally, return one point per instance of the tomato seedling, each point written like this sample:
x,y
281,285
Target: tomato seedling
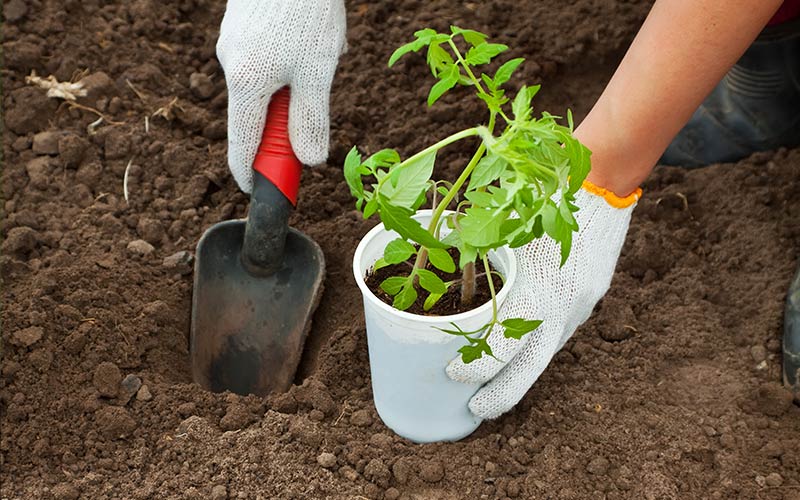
x,y
518,186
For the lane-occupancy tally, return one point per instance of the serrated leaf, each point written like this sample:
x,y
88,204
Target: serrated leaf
x,y
438,58
431,301
505,71
441,260
448,80
406,297
423,38
516,328
408,180
470,353
399,219
483,54
481,227
430,281
479,198
397,251
487,171
472,37
352,165
393,285
383,158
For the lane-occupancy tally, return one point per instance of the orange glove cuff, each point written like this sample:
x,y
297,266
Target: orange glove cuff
x,y
611,198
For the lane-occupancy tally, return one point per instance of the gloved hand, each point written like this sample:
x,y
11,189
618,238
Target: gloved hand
x,y
562,297
264,45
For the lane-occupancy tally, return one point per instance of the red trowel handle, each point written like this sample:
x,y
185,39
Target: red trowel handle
x,y
275,158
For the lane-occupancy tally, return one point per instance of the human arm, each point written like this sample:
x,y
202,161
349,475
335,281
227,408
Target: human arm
x,y
683,49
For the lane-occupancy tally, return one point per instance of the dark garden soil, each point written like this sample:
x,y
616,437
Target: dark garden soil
x,y
670,391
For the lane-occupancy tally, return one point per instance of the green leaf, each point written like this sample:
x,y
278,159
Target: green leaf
x,y
438,58
423,38
470,353
481,227
472,37
449,78
407,180
406,297
397,251
399,219
431,301
487,171
479,198
483,54
383,158
516,328
441,260
379,264
393,285
505,71
371,207
352,175
430,281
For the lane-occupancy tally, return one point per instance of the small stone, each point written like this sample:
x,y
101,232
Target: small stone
x,y
348,473
97,85
761,480
180,261
326,460
107,379
72,150
219,492
129,387
201,85
377,472
46,143
66,491
20,241
14,10
774,479
150,230
490,468
759,353
40,170
361,418
432,472
236,417
598,466
21,143
144,394
140,247
28,336
187,409
114,422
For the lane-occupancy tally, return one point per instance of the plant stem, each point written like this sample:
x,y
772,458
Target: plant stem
x,y
468,284
437,214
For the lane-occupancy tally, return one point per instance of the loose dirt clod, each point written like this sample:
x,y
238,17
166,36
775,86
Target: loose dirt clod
x,y
107,378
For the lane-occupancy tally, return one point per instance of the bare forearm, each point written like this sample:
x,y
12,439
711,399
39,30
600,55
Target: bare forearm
x,y
682,50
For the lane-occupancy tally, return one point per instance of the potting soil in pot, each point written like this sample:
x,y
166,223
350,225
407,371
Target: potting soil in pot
x,y
671,389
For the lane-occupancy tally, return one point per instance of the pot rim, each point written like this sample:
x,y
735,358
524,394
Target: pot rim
x,y
509,279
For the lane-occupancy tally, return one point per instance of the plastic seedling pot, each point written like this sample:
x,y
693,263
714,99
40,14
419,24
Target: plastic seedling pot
x,y
408,355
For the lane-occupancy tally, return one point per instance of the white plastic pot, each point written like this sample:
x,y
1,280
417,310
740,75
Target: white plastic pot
x,y
408,355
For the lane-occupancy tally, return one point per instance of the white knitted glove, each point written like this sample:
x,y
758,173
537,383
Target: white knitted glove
x,y
264,45
562,297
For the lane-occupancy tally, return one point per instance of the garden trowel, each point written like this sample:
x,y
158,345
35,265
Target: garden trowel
x,y
257,282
